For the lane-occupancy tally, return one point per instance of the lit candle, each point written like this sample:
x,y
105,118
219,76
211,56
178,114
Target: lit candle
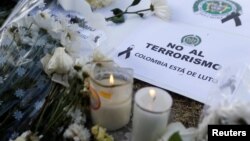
x,y
151,113
111,98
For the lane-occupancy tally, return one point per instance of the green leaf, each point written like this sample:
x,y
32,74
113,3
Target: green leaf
x,y
118,19
175,137
140,14
117,12
135,2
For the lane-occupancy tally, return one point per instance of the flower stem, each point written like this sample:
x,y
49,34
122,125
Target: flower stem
x,y
126,12
135,12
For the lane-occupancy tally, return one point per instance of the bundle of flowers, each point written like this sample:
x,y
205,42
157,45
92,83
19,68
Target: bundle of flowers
x,y
44,59
42,76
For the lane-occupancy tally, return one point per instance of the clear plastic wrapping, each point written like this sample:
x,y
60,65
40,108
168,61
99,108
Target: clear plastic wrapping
x,y
228,101
34,30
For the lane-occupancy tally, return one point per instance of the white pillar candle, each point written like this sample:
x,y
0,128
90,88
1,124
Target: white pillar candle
x,y
111,98
150,115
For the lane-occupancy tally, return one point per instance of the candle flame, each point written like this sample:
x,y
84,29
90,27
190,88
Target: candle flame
x,y
111,79
152,93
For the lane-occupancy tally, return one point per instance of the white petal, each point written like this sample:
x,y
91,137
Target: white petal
x,y
99,3
60,62
161,9
45,61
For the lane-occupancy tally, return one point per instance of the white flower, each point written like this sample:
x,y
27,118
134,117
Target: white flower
x,y
44,62
41,5
73,41
77,133
44,19
99,3
28,30
160,9
77,116
69,34
23,136
83,67
25,21
58,25
76,45
98,56
60,62
60,65
56,30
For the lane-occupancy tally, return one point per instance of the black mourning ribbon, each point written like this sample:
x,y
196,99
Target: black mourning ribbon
x,y
234,16
127,52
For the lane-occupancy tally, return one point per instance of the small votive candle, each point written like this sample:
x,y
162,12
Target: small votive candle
x,y
150,115
111,97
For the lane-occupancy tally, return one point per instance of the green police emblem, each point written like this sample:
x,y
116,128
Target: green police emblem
x,y
216,8
191,40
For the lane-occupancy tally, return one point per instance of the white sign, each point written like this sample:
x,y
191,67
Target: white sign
x,y
179,57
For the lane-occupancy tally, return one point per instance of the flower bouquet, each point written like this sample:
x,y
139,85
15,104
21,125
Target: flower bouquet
x,y
42,73
45,57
